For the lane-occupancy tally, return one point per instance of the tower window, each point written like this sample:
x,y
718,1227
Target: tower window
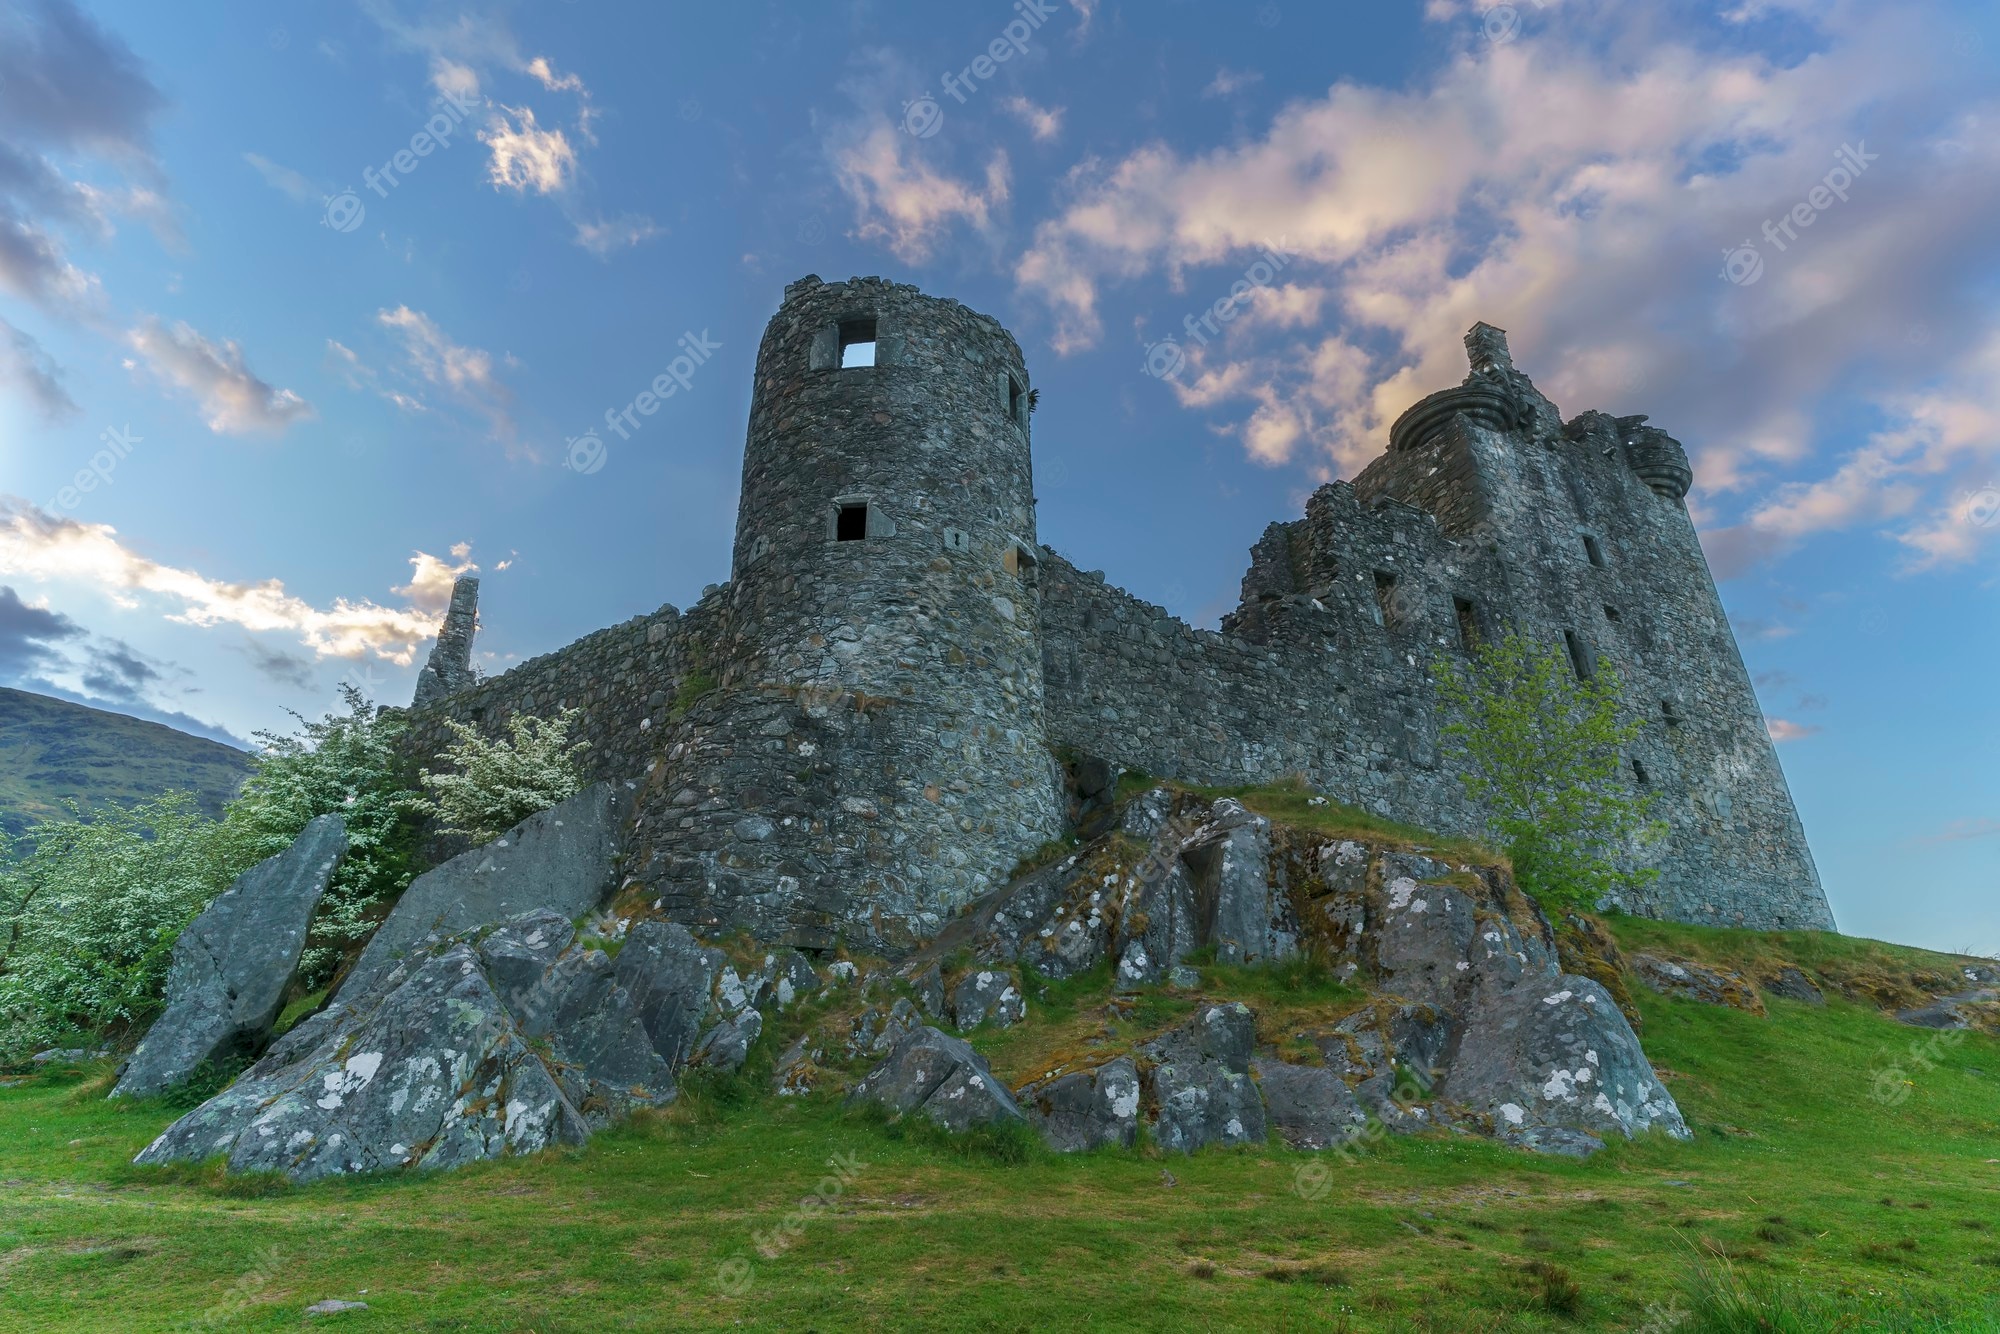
x,y
1639,772
857,343
1592,551
1468,624
1611,614
1020,560
1670,713
1580,657
957,539
851,525
1385,599
1015,409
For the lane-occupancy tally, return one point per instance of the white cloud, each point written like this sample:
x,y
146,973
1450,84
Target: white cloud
x,y
525,156
1044,123
902,201
1228,81
1578,186
606,235
429,589
233,400
46,547
25,366
466,372
1783,730
284,180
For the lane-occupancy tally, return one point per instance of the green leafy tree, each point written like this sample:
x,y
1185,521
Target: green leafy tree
x,y
493,785
343,763
1539,751
90,907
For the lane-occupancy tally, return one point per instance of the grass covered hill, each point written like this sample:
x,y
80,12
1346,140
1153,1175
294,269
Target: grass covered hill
x,y
1844,1176
52,751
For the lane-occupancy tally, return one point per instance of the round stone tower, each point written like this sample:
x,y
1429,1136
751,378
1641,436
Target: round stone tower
x,y
874,755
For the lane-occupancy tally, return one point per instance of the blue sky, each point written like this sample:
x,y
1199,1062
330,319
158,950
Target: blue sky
x,y
311,393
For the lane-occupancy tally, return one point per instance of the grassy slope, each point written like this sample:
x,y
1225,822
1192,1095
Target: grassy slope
x,y
1801,1173
52,750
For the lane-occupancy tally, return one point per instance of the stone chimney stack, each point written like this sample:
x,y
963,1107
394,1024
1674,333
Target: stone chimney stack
x,y
450,667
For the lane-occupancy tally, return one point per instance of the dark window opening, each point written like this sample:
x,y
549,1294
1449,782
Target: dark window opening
x,y
1611,614
1020,560
1468,624
1385,598
1014,399
857,343
1580,657
852,524
1670,713
1594,552
1639,772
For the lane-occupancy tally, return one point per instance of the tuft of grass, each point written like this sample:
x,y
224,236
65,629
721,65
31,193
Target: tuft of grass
x,y
1554,1289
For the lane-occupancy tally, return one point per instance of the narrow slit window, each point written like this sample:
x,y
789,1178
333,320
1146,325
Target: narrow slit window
x,y
1670,713
851,525
1385,598
1468,624
1014,399
1580,656
857,343
1592,551
1611,614
1640,774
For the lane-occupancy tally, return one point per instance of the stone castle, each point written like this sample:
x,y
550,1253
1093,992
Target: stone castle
x,y
859,732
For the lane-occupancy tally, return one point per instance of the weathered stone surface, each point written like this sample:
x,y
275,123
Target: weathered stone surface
x,y
1791,984
449,668
1556,1053
560,859
793,979
727,1045
1684,979
878,1029
1087,1109
1964,1009
488,1043
1240,910
1386,1037
942,1077
1201,1083
986,994
928,986
232,964
1310,1107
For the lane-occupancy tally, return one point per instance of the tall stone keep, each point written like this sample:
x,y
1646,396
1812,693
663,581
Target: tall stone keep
x,y
449,669
873,755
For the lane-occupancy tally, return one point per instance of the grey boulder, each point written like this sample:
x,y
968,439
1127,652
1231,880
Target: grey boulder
x,y
727,1045
941,1076
1309,1106
1202,1090
561,859
491,1043
984,994
1087,1109
232,964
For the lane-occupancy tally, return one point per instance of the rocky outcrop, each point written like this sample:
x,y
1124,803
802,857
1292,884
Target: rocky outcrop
x,y
1087,1109
1789,983
232,964
1962,1010
562,859
941,1077
1200,1081
1685,979
984,994
1309,1106
492,1042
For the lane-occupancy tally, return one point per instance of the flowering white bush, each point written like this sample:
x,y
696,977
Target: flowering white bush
x,y
494,785
345,764
89,911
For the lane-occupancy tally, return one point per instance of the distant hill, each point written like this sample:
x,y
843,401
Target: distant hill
x,y
51,749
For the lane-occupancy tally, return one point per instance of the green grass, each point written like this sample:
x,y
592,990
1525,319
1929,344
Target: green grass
x,y
1806,1202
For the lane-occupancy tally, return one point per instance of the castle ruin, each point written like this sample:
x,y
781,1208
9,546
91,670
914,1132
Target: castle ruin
x,y
856,735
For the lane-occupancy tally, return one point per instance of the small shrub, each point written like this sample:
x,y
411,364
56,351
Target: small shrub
x,y
493,785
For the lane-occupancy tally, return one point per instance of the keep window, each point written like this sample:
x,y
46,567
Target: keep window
x,y
1015,407
1611,614
1581,659
851,524
1385,599
1592,551
857,343
1639,772
1670,713
1468,624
